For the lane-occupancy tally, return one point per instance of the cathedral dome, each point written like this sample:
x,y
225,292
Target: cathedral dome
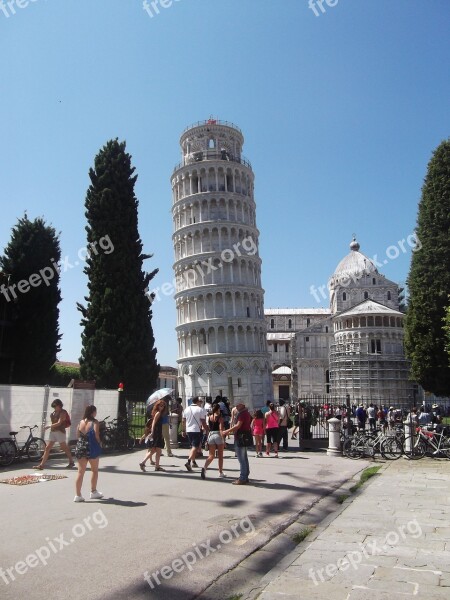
x,y
353,266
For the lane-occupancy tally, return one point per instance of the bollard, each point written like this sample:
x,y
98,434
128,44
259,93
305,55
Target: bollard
x,y
173,421
334,437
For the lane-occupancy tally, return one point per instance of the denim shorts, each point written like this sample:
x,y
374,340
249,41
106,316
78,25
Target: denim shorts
x,y
214,437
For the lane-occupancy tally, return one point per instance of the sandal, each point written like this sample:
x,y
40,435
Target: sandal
x,y
38,467
159,469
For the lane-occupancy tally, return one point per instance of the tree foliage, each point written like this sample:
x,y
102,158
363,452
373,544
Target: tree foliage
x,y
62,375
31,263
117,341
429,279
447,329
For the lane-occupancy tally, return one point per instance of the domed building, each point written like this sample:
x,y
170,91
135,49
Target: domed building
x,y
355,348
367,359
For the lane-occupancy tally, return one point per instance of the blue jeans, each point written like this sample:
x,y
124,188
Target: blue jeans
x,y
241,453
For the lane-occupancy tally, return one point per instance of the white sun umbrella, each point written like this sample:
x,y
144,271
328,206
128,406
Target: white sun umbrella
x,y
158,395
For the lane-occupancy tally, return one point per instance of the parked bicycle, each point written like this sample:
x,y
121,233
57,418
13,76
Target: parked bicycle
x,y
364,444
33,447
427,442
115,436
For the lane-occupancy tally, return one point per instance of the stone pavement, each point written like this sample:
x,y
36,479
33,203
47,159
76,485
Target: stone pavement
x,y
390,540
180,532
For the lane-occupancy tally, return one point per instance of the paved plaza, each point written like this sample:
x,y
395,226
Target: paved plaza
x,y
390,541
173,536
147,521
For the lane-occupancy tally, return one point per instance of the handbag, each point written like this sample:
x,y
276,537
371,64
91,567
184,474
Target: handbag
x,y
244,439
290,423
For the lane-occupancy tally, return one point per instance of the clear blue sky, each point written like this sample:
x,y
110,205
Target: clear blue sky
x,y
340,113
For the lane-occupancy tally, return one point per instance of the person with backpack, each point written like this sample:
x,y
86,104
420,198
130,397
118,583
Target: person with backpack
x,y
60,422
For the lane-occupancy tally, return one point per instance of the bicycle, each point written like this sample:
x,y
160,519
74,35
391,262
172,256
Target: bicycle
x,y
33,447
366,445
116,436
416,446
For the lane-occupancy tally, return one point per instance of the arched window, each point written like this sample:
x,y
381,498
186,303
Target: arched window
x,y
374,281
308,321
389,295
366,295
344,296
272,323
290,324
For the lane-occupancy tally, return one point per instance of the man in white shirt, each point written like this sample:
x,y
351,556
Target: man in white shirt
x,y
194,421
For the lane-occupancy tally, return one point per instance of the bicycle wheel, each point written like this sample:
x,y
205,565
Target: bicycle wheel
x,y
414,448
7,453
445,447
352,448
108,442
36,449
391,448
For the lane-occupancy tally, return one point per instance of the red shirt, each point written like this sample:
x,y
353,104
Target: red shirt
x,y
245,418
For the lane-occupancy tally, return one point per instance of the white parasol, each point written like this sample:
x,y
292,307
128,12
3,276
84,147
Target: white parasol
x,y
158,395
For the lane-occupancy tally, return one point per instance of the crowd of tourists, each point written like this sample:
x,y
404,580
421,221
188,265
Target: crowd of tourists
x,y
207,424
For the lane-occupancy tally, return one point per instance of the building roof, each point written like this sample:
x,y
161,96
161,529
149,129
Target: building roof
x,y
370,307
284,370
354,265
296,311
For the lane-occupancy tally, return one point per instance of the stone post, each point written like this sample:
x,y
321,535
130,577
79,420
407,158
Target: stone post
x,y
334,439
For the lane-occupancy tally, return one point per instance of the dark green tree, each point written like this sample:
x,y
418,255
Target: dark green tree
x,y
429,279
117,341
31,263
447,329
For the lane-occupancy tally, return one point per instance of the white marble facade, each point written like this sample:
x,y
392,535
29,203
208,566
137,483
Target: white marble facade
x,y
221,329
354,348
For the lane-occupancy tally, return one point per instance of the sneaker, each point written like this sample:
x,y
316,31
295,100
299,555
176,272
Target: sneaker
x,y
96,495
70,465
78,499
159,469
203,473
222,475
194,464
142,467
260,455
276,454
188,466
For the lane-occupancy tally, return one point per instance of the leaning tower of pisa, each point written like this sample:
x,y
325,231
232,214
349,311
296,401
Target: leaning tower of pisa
x,y
219,299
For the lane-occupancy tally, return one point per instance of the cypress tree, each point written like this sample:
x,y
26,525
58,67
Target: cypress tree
x,y
117,341
429,279
31,263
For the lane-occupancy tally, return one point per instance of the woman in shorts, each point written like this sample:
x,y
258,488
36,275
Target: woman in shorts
x,y
88,449
155,441
215,440
271,419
